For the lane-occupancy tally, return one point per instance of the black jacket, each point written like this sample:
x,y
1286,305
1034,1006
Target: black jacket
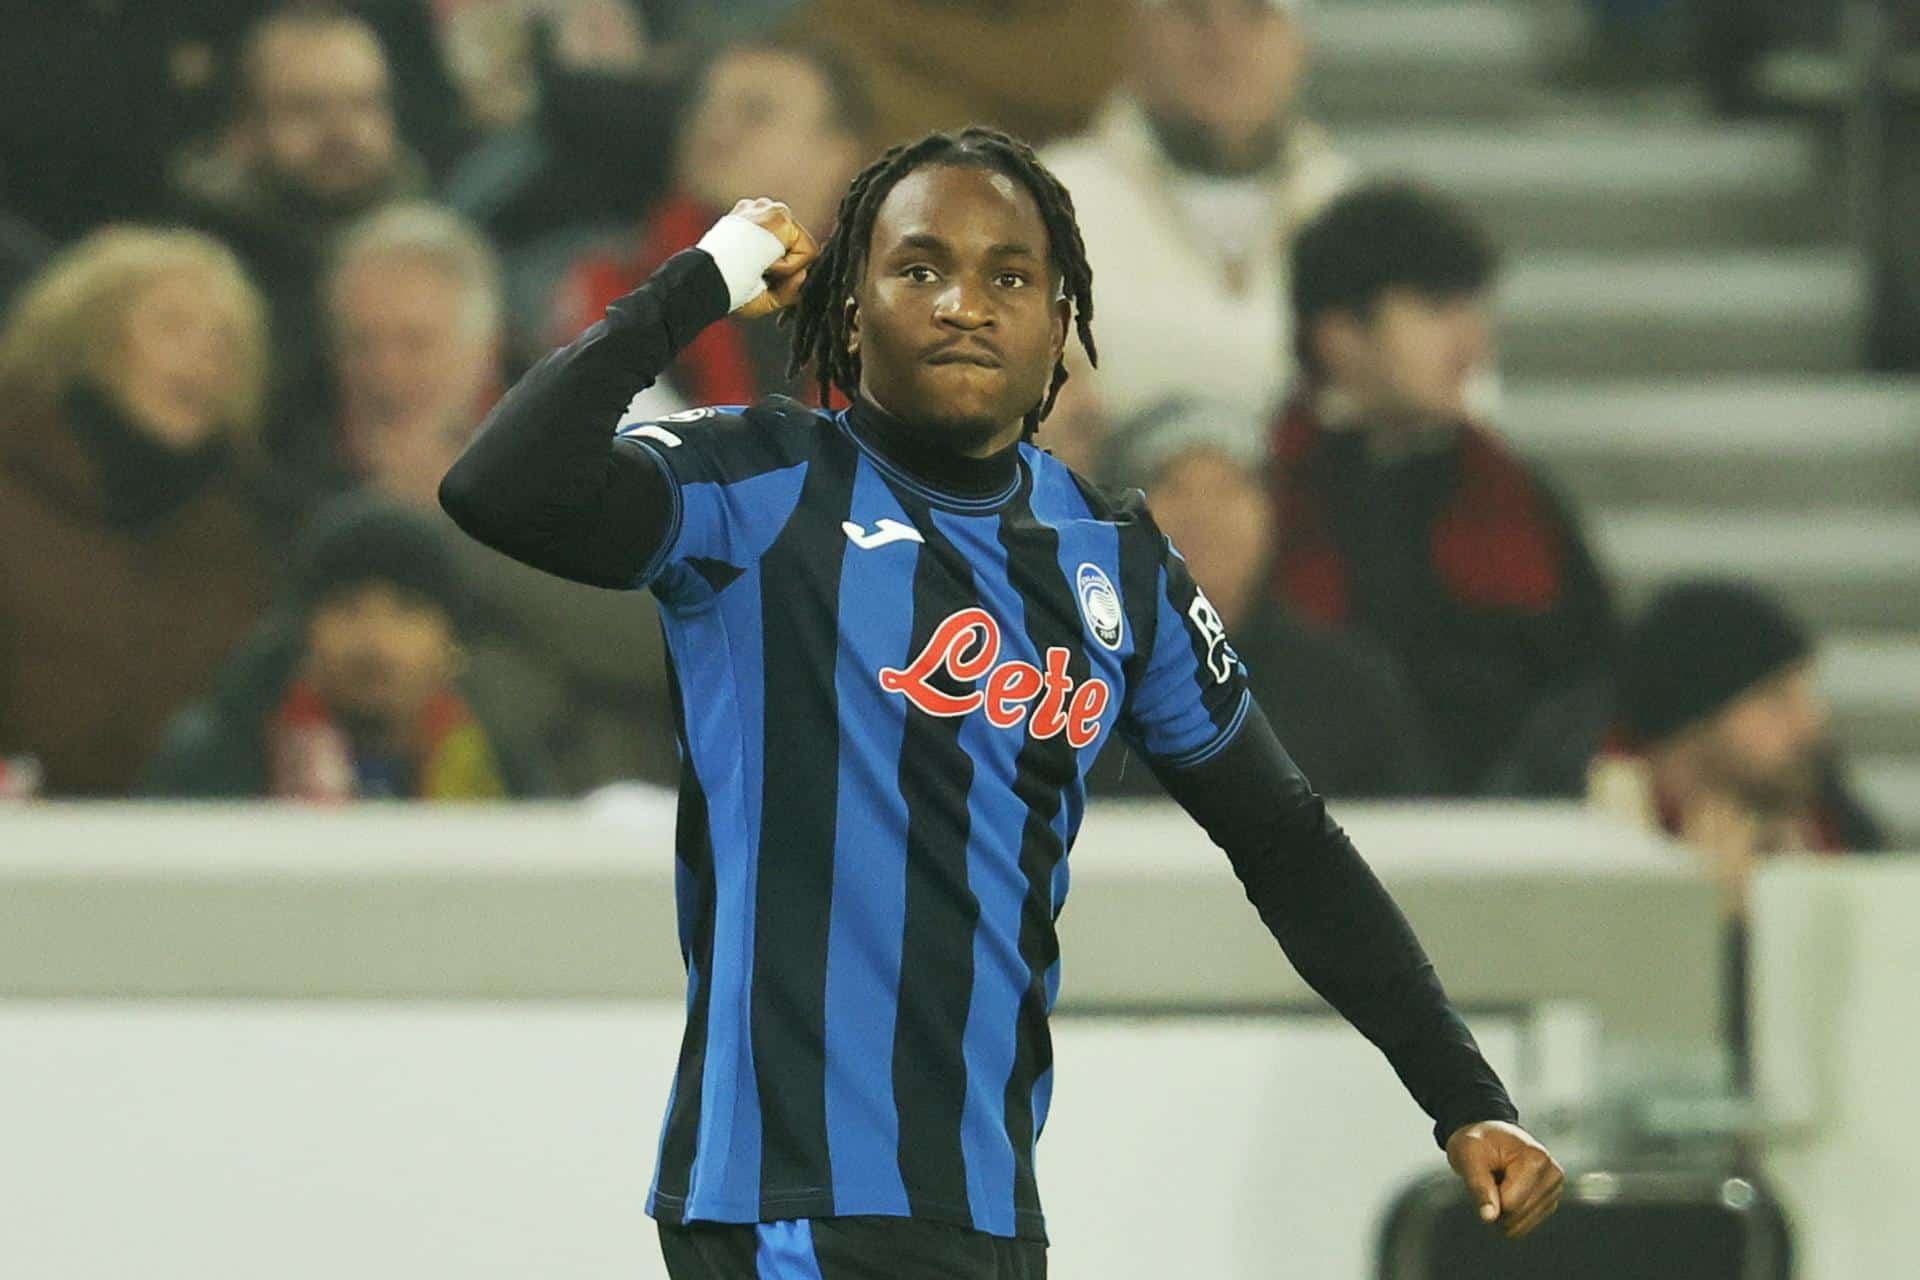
x,y
1348,718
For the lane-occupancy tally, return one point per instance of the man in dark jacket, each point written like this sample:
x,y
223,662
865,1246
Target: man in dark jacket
x,y
1399,515
357,697
313,145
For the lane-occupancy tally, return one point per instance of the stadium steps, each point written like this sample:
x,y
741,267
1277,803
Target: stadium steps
x,y
1872,682
1681,332
1614,183
1890,787
1760,442
1845,569
1451,59
1682,312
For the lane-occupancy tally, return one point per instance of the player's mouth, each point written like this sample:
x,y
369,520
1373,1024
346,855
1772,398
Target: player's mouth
x,y
973,353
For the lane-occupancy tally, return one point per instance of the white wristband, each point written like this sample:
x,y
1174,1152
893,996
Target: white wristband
x,y
743,251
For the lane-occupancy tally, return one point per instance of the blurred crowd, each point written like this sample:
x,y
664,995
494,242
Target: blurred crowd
x,y
266,268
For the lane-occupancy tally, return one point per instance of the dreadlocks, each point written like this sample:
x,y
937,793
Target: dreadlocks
x,y
819,317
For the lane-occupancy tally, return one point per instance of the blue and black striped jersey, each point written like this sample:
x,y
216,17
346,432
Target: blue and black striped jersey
x,y
889,695
892,668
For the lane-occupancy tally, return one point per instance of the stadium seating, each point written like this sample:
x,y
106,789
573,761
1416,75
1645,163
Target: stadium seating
x,y
1682,331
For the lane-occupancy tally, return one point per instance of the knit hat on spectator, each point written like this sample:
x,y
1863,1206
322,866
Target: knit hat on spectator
x,y
360,539
1698,647
1141,446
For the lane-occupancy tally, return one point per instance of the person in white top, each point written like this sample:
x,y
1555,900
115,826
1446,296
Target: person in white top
x,y
1189,188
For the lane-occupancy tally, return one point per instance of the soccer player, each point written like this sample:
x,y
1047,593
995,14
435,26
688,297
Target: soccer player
x,y
899,635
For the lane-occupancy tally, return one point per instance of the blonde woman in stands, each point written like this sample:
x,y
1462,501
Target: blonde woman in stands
x,y
130,552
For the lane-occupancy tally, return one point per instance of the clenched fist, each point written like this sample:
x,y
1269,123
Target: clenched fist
x,y
1511,1176
785,276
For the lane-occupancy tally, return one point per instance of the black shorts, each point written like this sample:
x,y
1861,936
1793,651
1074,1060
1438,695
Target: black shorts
x,y
858,1247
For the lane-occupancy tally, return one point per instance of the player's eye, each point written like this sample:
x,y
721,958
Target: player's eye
x,y
1010,279
919,274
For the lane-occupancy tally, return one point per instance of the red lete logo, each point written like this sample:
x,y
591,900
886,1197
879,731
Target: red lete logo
x,y
967,646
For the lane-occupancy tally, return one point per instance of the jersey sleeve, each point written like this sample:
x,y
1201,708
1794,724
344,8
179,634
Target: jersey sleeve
x,y
1337,923
733,477
1191,697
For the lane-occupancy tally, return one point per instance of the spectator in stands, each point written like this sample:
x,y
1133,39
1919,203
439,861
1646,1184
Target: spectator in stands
x,y
415,307
131,557
1722,739
96,99
1189,188
787,119
357,696
1399,515
312,147
412,302
1348,718
1035,68
414,310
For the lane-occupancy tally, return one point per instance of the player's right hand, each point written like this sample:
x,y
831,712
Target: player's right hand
x,y
785,276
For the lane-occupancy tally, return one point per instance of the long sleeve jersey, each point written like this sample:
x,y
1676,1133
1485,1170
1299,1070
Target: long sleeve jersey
x,y
893,666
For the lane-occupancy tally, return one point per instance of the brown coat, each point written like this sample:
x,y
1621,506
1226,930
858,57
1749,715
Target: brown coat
x,y
106,631
1036,68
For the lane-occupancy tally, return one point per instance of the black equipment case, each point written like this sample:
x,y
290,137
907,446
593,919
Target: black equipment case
x,y
1663,1224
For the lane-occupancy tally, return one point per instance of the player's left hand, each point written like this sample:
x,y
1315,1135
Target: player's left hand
x,y
1511,1176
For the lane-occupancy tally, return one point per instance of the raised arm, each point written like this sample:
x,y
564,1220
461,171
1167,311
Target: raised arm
x,y
545,480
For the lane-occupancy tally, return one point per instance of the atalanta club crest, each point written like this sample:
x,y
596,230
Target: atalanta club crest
x,y
1100,605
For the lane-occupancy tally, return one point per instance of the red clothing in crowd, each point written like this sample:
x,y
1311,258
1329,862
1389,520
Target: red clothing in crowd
x,y
1452,554
729,363
1495,540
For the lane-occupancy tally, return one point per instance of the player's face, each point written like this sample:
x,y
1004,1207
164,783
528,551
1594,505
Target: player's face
x,y
958,320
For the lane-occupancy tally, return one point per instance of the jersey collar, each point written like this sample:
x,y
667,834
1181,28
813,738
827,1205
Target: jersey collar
x,y
910,450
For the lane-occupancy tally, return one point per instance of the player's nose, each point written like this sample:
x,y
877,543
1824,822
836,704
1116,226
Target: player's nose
x,y
963,306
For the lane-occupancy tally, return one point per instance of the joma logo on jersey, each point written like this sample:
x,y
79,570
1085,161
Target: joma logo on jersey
x,y
966,646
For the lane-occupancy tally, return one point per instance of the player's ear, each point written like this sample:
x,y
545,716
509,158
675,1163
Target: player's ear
x,y
1062,325
852,313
